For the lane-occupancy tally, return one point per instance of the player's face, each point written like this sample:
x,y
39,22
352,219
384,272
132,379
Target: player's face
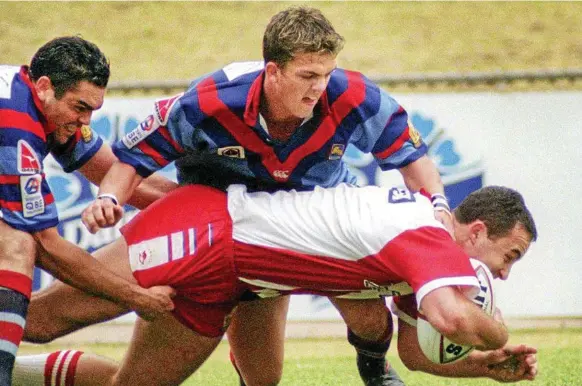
x,y
73,109
500,254
301,82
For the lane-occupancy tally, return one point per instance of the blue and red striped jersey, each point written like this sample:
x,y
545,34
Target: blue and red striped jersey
x,y
215,132
26,201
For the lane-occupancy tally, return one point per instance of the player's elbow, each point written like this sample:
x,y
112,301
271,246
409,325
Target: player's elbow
x,y
409,360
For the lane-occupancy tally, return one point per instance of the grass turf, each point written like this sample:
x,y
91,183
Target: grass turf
x,y
318,362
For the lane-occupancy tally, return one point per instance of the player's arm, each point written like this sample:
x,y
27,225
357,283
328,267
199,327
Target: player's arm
x,y
491,364
146,192
423,174
78,268
460,320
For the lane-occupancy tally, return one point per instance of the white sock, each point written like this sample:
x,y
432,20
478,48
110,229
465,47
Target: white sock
x,y
57,368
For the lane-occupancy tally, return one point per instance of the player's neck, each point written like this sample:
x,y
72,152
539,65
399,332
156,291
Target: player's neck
x,y
280,125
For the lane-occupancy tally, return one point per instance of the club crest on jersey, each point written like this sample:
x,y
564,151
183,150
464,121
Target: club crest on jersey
x,y
337,151
232,151
145,128
162,108
86,133
414,135
31,193
28,162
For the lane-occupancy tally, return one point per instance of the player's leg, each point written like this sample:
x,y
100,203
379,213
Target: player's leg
x,y
85,369
256,335
17,253
63,367
163,352
61,309
370,330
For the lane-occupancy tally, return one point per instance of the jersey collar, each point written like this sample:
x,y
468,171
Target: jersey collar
x,y
24,75
251,114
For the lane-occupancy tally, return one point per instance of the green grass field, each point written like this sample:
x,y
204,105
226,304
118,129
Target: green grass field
x,y
319,362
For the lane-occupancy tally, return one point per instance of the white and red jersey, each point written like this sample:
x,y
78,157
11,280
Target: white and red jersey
x,y
344,241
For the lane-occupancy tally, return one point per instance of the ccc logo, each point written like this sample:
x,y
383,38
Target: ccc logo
x,y
282,174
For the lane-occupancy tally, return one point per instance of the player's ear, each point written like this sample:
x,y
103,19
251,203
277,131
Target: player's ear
x,y
271,70
44,88
477,231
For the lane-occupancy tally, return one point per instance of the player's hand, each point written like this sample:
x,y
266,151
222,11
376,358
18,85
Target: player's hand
x,y
101,213
151,302
516,368
511,363
446,219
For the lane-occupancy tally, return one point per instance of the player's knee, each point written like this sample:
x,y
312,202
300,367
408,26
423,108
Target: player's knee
x,y
370,327
267,375
264,380
16,246
37,332
42,326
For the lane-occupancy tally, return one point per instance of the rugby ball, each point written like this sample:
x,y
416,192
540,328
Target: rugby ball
x,y
436,346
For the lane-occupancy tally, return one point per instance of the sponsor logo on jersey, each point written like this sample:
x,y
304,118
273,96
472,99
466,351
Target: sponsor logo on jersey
x,y
337,151
162,108
28,162
281,175
414,135
232,151
86,133
145,128
32,200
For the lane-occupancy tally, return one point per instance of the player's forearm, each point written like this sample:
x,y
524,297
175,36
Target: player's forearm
x,y
121,181
472,366
422,173
151,189
478,329
461,321
78,268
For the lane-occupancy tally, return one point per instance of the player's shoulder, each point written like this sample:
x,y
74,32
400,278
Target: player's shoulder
x,y
12,93
229,86
230,75
354,89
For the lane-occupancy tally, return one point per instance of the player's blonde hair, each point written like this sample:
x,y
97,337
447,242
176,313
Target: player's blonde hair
x,y
299,30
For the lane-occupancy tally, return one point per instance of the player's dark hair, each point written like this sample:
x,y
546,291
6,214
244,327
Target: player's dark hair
x,y
299,30
68,60
500,208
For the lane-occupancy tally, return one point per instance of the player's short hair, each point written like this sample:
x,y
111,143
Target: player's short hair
x,y
299,30
68,60
500,208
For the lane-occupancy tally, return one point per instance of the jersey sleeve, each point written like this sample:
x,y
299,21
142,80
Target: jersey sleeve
x,y
427,258
389,135
159,139
26,201
78,150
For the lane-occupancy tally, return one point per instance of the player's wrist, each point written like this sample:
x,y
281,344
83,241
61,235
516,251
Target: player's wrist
x,y
109,196
440,203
